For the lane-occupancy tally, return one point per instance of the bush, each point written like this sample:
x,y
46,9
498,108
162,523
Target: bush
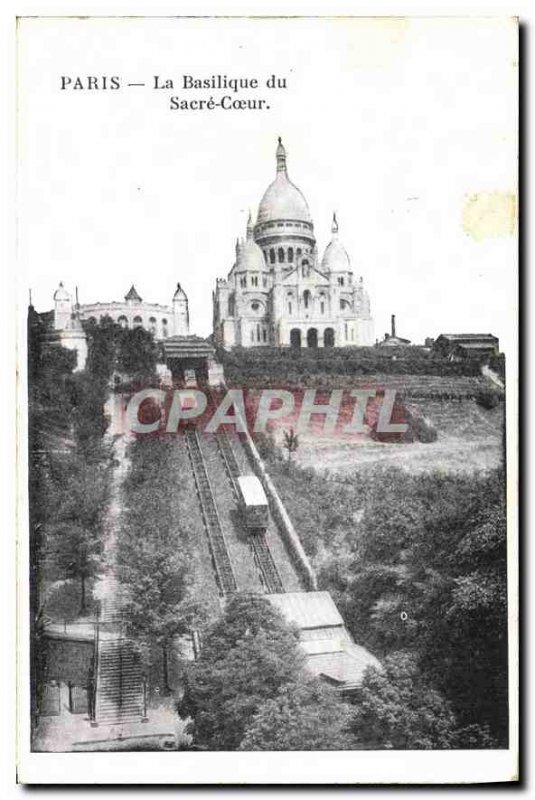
x,y
422,428
487,399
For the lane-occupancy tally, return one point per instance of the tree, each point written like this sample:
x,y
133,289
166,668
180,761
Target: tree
x,y
304,715
132,351
153,556
102,347
291,442
158,605
396,709
247,656
137,354
74,551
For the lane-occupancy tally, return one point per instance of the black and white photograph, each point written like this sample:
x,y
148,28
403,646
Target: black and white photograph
x,y
267,399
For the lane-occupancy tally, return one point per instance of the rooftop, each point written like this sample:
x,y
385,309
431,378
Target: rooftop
x,y
307,609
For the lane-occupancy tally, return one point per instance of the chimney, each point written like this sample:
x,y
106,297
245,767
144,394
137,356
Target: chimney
x,y
393,324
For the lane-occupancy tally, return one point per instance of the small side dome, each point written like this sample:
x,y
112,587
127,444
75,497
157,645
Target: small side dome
x,y
248,253
335,258
61,293
252,258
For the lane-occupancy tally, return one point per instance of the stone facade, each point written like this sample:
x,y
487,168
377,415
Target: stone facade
x,y
161,320
278,292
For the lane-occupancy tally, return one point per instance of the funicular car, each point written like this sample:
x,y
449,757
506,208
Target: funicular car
x,y
252,503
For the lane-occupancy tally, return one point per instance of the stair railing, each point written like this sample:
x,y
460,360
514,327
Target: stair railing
x,y
93,683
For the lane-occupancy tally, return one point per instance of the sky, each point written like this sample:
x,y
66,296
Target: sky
x,y
407,128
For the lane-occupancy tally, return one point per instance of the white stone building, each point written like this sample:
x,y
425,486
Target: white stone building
x,y
279,292
163,321
133,312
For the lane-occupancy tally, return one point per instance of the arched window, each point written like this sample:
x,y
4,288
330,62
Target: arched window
x,y
290,255
289,306
231,305
254,280
322,307
295,338
281,255
264,280
264,335
272,256
252,336
312,337
340,281
306,298
258,333
345,331
123,321
298,252
152,325
165,329
328,337
138,322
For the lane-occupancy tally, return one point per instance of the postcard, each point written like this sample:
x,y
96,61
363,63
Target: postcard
x,y
267,400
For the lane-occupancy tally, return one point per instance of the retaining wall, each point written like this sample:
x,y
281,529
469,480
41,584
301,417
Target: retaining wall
x,y
280,515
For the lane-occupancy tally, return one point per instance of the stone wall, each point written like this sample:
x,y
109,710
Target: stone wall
x,y
280,515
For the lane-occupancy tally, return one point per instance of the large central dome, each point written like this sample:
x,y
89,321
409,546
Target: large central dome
x,y
282,200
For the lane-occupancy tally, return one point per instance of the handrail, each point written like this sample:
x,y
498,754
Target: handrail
x,y
94,687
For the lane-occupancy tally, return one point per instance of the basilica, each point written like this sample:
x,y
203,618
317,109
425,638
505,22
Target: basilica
x,y
279,293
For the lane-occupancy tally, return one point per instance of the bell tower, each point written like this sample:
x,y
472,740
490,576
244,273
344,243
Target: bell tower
x,y
62,308
180,312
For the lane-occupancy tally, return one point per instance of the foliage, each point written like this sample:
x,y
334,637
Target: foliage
x,y
422,429
153,554
129,351
67,484
73,552
286,365
396,709
247,656
416,563
304,715
488,399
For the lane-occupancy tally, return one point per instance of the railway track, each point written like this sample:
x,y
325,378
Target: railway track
x,y
226,579
265,564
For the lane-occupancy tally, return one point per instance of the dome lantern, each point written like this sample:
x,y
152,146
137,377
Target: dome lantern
x,y
281,157
334,226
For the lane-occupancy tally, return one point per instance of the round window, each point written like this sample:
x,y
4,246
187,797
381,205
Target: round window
x,y
255,306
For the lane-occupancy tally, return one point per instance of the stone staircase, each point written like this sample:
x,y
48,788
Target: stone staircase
x,y
119,685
